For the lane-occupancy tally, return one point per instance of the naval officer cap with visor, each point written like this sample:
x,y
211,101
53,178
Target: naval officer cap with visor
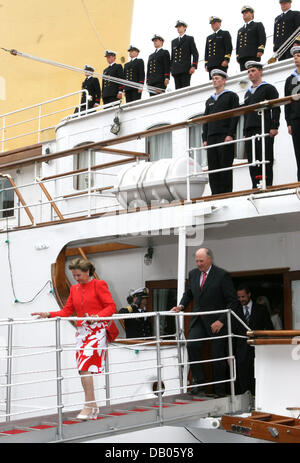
x,y
110,53
247,8
89,68
157,37
132,48
214,19
181,23
143,292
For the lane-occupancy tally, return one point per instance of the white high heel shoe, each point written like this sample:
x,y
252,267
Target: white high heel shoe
x,y
88,413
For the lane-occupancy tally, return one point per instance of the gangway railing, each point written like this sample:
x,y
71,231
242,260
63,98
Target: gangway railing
x,y
162,356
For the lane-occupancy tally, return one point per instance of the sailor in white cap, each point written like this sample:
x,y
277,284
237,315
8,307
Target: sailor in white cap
x,y
184,56
260,91
251,38
112,91
220,131
137,327
218,47
292,110
91,84
285,25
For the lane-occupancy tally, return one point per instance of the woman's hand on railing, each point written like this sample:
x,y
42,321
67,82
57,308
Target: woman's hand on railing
x,y
41,314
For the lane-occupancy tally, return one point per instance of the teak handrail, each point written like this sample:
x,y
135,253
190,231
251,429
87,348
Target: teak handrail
x,y
268,104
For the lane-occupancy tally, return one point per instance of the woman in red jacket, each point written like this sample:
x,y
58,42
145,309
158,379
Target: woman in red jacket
x,y
89,298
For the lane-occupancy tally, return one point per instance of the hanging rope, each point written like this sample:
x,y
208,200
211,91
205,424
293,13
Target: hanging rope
x,y
124,82
285,46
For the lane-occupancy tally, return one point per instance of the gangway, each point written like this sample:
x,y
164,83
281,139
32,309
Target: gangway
x,y
151,378
126,417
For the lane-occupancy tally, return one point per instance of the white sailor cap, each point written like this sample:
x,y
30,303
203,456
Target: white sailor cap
x,y
247,8
218,72
295,50
87,67
181,23
109,53
144,292
253,64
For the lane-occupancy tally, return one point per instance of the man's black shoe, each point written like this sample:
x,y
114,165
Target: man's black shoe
x,y
196,391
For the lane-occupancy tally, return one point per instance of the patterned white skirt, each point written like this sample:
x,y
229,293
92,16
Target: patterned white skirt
x,y
90,347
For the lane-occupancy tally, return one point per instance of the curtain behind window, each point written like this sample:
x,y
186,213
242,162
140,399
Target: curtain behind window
x,y
160,146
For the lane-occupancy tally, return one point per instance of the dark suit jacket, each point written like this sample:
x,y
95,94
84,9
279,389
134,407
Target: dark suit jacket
x,y
218,293
110,89
184,55
259,320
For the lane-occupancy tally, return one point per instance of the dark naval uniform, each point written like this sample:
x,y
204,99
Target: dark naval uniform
x,y
251,39
137,327
252,127
184,56
292,114
158,68
110,90
285,25
218,49
216,132
134,71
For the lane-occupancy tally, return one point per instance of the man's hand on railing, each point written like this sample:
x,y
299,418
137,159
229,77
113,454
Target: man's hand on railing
x,y
41,314
177,309
273,133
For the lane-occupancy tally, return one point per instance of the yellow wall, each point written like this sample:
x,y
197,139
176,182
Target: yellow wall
x,y
58,30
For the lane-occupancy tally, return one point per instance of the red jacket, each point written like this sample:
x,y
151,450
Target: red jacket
x,y
92,298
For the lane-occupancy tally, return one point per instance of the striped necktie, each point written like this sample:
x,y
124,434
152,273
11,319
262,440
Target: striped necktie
x,y
247,314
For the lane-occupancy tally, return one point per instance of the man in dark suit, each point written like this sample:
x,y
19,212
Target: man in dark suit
x,y
218,47
211,289
91,84
184,57
112,91
158,67
134,71
292,110
285,25
256,317
251,39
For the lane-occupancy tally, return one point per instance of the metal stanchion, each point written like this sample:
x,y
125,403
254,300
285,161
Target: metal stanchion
x,y
9,369
230,352
58,377
159,367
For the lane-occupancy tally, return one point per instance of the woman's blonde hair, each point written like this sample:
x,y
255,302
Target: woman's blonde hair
x,y
82,264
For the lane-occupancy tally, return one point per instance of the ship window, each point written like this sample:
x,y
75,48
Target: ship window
x,y
6,198
159,146
195,141
81,161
